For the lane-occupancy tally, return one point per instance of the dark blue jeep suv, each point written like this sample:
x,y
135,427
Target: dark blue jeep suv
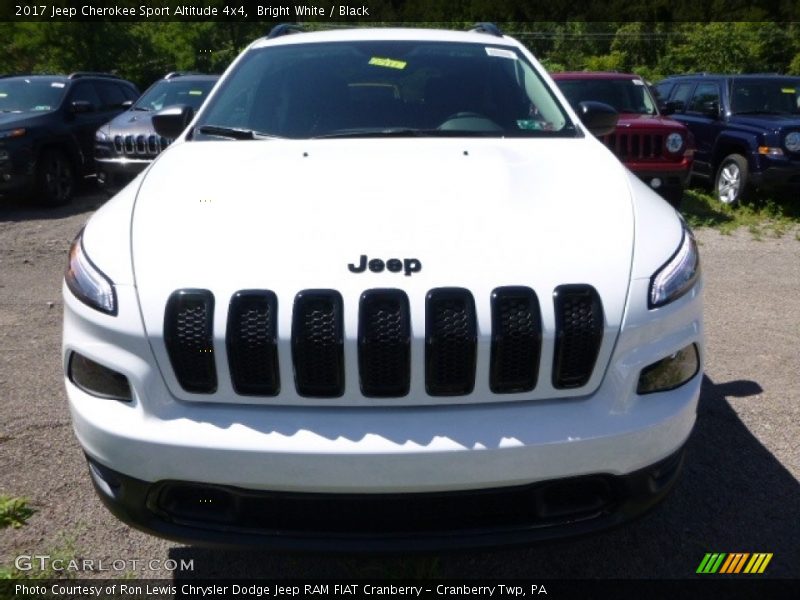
x,y
746,128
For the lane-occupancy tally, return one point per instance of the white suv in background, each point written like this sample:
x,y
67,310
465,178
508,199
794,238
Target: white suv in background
x,y
385,290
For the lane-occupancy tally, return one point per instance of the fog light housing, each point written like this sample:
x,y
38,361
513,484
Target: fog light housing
x,y
97,380
655,183
670,372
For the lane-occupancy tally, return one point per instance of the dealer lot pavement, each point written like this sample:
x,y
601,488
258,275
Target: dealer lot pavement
x,y
739,491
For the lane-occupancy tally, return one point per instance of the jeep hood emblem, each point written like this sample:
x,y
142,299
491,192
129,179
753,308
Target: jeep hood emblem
x,y
394,265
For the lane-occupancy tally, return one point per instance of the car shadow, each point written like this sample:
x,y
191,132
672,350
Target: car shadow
x,y
733,496
88,199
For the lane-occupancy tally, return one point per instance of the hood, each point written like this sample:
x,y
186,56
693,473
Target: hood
x,y
19,119
293,215
134,122
649,122
759,122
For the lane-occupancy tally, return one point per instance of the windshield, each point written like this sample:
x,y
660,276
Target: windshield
x,y
624,95
768,96
30,94
352,89
174,91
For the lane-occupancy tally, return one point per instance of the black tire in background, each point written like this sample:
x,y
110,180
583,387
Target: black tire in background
x,y
55,178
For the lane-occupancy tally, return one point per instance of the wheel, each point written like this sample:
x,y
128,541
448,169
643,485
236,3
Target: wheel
x,y
730,186
55,179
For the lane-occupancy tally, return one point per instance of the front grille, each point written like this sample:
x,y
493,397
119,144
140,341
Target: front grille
x,y
516,340
188,336
384,343
251,340
635,146
318,343
450,342
140,146
579,333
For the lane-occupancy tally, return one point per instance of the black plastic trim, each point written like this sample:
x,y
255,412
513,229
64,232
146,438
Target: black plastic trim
x,y
140,504
266,381
193,364
384,366
450,354
585,342
318,363
514,362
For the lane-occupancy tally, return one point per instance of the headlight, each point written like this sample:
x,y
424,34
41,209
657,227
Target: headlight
x,y
99,136
674,142
12,133
678,274
792,142
87,282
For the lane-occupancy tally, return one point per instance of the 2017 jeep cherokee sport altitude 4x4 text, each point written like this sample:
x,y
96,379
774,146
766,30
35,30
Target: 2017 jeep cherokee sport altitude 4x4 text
x,y
371,297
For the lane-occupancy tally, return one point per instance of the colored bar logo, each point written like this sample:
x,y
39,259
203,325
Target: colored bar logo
x,y
734,563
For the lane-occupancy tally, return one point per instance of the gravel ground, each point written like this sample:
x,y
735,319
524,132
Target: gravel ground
x,y
739,491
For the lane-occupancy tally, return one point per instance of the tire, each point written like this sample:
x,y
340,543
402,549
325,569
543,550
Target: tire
x,y
55,179
731,183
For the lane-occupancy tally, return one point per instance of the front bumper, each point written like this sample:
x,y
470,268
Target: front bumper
x,y
252,451
775,173
114,173
228,516
668,180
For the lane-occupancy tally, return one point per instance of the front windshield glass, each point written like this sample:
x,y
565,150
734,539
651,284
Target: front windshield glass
x,y
168,93
624,95
765,96
30,94
353,89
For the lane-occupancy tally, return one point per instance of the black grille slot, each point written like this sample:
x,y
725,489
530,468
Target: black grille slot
x,y
384,343
318,344
450,342
635,146
188,335
579,333
516,340
251,340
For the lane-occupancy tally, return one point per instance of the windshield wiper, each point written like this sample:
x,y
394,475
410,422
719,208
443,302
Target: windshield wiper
x,y
142,108
235,133
401,132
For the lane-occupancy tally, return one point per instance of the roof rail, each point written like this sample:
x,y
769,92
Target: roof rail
x,y
79,74
284,29
489,28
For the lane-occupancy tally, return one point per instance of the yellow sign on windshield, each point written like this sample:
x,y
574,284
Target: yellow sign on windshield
x,y
387,62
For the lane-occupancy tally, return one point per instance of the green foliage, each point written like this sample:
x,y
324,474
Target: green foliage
x,y
14,512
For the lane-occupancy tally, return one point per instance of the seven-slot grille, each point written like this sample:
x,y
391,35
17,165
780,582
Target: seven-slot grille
x,y
635,146
384,341
146,146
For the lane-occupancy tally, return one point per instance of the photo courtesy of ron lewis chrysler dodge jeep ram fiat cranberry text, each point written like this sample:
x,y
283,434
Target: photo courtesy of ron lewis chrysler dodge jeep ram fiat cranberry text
x,y
385,290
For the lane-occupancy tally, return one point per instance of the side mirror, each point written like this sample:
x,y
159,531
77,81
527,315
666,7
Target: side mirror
x,y
671,107
81,106
171,121
601,119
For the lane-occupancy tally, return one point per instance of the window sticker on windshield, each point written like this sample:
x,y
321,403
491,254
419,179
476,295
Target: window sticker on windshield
x,y
638,82
41,107
501,53
387,62
57,84
788,90
3,95
195,92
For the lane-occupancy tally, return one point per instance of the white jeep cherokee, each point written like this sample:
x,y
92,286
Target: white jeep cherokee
x,y
386,290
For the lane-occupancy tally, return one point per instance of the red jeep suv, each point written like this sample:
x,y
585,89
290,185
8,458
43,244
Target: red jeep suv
x,y
659,150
